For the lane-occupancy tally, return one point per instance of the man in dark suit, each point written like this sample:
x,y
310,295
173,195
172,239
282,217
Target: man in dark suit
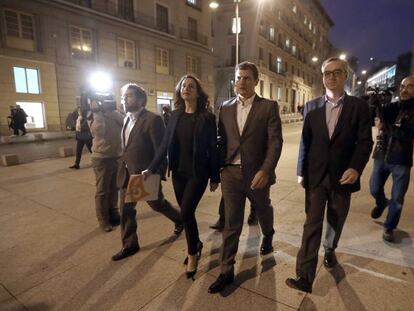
x,y
335,147
250,144
141,136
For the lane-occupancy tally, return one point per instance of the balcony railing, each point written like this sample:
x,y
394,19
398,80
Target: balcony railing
x,y
193,36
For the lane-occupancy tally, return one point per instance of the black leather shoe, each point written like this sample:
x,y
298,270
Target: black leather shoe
x,y
178,228
222,281
125,252
219,226
300,284
115,221
75,166
388,235
252,220
329,260
376,212
106,227
266,247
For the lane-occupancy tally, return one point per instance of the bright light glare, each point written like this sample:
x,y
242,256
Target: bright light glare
x,y
315,59
359,82
364,72
342,56
100,81
213,5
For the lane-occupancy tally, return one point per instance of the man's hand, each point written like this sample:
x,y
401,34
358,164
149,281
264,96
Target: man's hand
x,y
301,181
349,177
146,173
213,186
260,180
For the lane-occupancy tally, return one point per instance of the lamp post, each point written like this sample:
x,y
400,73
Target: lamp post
x,y
237,30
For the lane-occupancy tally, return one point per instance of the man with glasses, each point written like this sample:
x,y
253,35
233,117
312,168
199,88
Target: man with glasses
x,y
141,136
393,155
335,147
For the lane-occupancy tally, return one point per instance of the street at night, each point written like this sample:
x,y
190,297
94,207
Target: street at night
x,y
206,155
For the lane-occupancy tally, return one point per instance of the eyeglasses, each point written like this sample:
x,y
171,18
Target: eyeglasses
x,y
335,73
126,96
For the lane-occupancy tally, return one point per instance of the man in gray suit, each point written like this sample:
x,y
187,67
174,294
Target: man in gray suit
x,y
141,136
250,144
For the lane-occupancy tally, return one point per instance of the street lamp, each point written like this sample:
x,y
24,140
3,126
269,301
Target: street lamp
x,y
342,56
213,5
315,59
364,72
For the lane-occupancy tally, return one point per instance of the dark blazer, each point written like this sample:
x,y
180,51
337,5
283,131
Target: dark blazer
x,y
205,152
349,147
144,140
260,144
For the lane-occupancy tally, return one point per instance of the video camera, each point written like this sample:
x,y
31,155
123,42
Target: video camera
x,y
98,90
377,98
105,100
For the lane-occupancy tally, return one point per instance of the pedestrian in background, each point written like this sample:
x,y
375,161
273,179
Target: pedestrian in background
x,y
83,137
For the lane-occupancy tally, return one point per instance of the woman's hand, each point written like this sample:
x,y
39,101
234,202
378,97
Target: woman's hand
x,y
146,173
213,186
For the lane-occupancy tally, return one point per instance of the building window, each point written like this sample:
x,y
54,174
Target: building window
x,y
287,43
162,17
193,65
287,95
35,112
26,80
162,61
236,27
126,53
272,34
194,3
271,91
279,93
279,65
294,49
19,30
126,9
294,8
81,42
192,29
261,83
260,53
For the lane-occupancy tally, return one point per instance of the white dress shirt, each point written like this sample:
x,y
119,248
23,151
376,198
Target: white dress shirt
x,y
243,110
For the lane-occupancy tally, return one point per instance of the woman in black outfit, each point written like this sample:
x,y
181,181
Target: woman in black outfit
x,y
191,143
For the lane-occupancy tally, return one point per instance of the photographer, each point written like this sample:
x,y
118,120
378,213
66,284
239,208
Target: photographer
x,y
393,155
105,124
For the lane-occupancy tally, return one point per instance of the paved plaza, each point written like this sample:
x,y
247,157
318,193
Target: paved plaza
x,y
53,256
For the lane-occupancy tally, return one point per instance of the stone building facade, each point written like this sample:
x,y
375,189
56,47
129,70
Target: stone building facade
x,y
50,48
288,39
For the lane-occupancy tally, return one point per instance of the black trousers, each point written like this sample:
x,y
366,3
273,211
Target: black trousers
x,y
337,206
188,192
221,210
79,148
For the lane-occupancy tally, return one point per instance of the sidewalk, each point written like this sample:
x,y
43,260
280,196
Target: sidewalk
x,y
54,257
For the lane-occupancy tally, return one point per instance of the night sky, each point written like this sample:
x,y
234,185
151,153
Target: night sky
x,y
383,29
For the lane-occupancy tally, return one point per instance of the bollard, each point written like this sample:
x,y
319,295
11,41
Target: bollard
x,y
66,151
9,159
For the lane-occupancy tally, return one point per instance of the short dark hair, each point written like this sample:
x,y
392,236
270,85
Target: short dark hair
x,y
139,91
248,66
202,99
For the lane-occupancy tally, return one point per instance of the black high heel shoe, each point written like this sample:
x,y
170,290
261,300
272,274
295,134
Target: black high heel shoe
x,y
199,249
